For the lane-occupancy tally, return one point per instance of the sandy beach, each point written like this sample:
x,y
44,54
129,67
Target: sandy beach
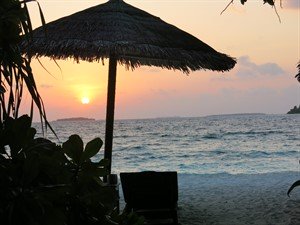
x,y
224,199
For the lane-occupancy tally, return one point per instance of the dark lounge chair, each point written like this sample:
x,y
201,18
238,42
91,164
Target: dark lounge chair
x,y
153,195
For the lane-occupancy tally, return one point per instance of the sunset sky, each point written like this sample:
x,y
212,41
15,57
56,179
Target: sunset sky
x,y
262,81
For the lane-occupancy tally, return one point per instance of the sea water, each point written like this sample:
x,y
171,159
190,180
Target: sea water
x,y
233,144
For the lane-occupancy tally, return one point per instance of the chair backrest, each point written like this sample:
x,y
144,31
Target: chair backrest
x,y
148,190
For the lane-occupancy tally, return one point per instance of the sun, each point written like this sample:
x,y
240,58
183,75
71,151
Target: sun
x,y
85,100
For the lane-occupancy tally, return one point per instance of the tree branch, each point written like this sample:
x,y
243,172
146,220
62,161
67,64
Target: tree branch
x,y
231,2
270,2
277,13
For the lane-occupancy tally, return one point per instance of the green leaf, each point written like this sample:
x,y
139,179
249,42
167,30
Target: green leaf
x,y
74,148
91,149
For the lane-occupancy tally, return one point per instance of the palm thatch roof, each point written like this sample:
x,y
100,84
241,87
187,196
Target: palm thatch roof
x,y
133,36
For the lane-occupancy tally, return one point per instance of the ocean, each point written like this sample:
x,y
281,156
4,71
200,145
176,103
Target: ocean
x,y
229,144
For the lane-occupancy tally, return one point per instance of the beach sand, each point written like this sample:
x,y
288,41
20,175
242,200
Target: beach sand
x,y
224,199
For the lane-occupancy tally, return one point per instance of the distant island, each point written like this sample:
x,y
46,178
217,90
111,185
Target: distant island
x,y
294,110
76,119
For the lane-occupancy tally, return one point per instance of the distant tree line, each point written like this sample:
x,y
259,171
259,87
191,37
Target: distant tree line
x,y
294,110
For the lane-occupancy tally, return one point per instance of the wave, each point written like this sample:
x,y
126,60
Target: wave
x,y
235,143
251,133
212,136
255,154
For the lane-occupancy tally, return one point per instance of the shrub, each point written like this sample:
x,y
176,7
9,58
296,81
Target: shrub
x,y
42,183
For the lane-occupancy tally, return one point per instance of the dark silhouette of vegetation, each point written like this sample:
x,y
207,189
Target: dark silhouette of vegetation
x,y
16,72
40,182
47,184
270,2
294,110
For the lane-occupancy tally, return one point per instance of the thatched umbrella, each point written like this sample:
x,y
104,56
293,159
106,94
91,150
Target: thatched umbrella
x,y
128,36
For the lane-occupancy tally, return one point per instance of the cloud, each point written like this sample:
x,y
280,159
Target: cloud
x,y
221,78
250,100
246,68
294,4
46,86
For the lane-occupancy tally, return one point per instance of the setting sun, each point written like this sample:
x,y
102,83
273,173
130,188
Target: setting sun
x,y
85,100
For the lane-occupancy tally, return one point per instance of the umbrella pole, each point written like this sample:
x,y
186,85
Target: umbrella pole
x,y
110,110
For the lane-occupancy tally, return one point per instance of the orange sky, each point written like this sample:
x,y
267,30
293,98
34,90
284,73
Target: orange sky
x,y
262,81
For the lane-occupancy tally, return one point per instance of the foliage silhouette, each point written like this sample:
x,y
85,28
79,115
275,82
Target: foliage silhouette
x,y
15,69
294,110
42,183
47,184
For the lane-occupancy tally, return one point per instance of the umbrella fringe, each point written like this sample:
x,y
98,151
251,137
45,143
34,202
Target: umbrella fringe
x,y
135,56
133,35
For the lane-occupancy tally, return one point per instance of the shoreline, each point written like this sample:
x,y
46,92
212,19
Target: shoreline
x,y
242,199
